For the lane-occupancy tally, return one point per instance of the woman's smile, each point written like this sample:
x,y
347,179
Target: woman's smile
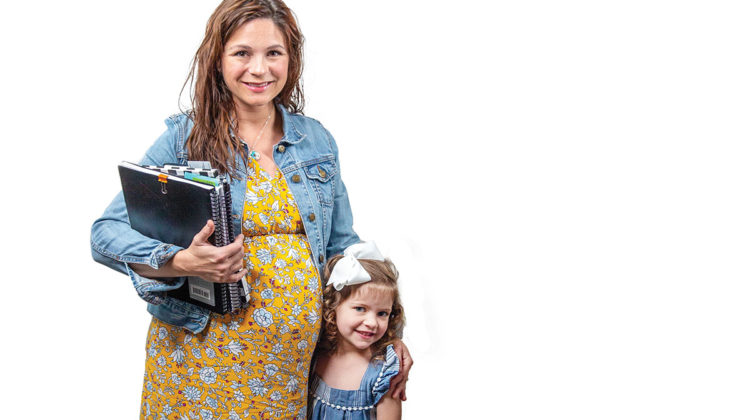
x,y
257,87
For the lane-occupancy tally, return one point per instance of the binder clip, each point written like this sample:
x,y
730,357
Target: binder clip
x,y
163,180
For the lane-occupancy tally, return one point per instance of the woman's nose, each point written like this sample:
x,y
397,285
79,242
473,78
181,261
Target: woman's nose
x,y
257,65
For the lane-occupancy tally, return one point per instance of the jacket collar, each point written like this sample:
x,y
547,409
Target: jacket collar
x,y
292,133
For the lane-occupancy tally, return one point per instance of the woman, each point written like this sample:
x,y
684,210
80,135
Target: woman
x,y
289,203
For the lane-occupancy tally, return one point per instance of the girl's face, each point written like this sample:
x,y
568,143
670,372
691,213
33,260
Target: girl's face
x,y
362,319
255,63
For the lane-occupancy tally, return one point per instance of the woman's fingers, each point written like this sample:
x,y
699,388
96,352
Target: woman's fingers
x,y
201,238
399,381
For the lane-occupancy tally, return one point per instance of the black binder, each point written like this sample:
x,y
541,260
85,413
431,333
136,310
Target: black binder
x,y
164,205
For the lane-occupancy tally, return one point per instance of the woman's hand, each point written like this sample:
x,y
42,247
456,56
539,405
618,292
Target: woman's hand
x,y
398,383
203,259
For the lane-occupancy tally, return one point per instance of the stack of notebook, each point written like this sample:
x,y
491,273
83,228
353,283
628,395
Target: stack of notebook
x,y
172,203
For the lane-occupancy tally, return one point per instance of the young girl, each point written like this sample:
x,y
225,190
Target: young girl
x,y
355,359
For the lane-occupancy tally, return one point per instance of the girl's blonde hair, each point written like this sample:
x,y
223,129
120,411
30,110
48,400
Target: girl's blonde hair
x,y
384,280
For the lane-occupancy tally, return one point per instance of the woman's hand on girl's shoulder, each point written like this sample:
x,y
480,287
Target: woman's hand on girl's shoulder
x,y
215,264
398,383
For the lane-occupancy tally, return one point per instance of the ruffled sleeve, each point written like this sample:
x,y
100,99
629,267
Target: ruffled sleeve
x,y
388,370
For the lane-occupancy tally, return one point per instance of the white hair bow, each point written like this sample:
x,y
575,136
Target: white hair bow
x,y
348,270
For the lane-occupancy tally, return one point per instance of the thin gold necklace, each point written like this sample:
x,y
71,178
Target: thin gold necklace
x,y
253,153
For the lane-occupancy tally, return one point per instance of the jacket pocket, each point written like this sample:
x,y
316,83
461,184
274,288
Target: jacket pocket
x,y
321,173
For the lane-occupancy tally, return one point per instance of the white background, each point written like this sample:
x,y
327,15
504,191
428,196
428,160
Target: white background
x,y
564,186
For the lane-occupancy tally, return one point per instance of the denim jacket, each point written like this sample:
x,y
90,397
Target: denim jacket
x,y
308,159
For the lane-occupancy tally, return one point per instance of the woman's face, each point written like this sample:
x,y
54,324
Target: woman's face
x,y
255,63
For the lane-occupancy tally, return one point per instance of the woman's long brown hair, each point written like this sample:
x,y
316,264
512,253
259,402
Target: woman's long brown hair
x,y
212,103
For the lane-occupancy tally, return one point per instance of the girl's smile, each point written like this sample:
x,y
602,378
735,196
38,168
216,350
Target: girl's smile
x,y
362,319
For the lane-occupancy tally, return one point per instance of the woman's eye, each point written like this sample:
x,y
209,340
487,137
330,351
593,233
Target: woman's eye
x,y
241,54
274,53
383,313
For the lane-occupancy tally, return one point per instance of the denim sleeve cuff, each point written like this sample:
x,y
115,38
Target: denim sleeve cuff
x,y
152,290
162,254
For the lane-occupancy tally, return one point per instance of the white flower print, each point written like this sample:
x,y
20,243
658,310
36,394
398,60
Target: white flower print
x,y
178,355
293,254
296,310
206,414
207,375
266,294
264,256
292,385
257,386
210,353
312,319
302,345
280,264
192,393
161,361
284,329
275,396
162,333
277,348
271,369
251,197
239,396
176,379
265,186
196,353
264,218
234,416
234,347
262,317
211,402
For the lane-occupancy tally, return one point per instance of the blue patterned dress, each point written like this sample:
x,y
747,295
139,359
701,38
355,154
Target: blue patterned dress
x,y
328,403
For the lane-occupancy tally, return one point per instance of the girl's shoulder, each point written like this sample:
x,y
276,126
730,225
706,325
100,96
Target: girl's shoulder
x,y
380,373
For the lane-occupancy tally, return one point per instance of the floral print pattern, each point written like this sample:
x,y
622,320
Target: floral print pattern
x,y
254,363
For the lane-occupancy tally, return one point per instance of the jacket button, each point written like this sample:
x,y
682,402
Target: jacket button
x,y
322,172
320,258
311,217
281,148
236,216
296,178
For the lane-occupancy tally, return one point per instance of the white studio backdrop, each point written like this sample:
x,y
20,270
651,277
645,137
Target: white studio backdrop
x,y
563,186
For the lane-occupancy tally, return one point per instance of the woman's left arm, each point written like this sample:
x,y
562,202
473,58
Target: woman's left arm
x,y
342,232
398,383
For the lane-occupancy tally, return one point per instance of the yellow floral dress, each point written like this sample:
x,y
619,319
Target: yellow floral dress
x,y
254,363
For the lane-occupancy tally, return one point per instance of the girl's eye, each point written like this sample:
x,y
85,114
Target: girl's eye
x,y
383,313
359,309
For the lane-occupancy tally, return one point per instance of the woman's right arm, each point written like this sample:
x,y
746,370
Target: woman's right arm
x,y
202,259
116,245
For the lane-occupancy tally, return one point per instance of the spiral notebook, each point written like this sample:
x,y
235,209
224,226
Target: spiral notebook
x,y
172,203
